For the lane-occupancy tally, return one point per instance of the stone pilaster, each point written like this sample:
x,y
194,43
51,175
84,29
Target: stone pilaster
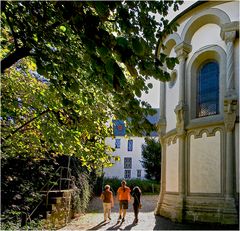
x,y
230,114
182,51
162,120
228,34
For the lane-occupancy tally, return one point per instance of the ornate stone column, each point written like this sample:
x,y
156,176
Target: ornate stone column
x,y
229,39
182,51
230,113
162,132
162,120
228,34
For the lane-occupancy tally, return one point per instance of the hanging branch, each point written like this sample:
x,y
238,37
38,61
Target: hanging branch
x,y
25,124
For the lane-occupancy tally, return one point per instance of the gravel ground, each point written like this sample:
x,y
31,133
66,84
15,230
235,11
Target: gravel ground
x,y
93,219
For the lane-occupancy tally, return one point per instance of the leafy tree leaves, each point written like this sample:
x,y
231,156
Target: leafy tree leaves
x,y
70,66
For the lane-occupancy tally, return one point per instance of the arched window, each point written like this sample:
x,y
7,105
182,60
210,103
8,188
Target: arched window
x,y
208,90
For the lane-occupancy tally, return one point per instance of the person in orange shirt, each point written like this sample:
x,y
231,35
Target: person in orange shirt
x,y
124,197
108,202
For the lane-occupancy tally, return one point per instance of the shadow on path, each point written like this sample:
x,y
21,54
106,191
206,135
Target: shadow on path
x,y
130,226
98,226
166,224
116,226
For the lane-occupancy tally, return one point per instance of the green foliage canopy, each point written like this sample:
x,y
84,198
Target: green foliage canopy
x,y
95,57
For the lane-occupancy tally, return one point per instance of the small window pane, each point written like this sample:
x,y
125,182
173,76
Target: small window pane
x,y
127,174
139,173
127,162
130,145
208,90
117,143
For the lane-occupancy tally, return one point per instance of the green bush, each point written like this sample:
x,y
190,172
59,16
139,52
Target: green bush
x,y
147,186
23,179
82,193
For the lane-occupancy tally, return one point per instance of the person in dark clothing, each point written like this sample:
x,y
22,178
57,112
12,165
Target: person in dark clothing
x,y
136,194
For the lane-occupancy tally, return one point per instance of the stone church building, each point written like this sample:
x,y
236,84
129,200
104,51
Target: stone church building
x,y
199,116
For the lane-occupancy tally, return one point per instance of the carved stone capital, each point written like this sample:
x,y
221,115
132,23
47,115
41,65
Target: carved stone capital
x,y
230,113
162,124
182,50
228,31
180,111
230,36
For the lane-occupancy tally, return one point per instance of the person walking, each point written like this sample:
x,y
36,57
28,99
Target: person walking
x,y
136,194
108,202
124,197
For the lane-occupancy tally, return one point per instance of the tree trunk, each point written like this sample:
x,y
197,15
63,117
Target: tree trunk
x,y
14,57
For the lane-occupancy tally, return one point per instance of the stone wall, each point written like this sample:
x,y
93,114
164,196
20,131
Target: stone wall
x,y
59,209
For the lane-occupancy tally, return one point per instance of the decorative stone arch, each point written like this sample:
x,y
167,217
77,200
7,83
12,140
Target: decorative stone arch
x,y
215,16
208,53
170,42
209,131
172,140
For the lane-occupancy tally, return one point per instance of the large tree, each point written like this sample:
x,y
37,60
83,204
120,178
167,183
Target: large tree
x,y
69,66
151,158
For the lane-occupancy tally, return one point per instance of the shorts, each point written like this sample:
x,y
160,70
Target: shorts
x,y
123,204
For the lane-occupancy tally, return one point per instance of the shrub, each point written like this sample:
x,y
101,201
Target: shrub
x,y
147,186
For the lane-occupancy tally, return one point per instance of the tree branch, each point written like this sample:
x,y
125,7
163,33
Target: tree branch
x,y
14,57
25,124
13,32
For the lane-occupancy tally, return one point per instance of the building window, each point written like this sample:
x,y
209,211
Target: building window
x,y
208,90
127,162
130,145
139,173
127,174
117,143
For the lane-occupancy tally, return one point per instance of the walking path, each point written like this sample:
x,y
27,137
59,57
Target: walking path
x,y
93,219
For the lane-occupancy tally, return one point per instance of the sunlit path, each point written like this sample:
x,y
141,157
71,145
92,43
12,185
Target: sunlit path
x,y
93,219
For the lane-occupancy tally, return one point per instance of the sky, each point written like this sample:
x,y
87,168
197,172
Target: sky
x,y
153,97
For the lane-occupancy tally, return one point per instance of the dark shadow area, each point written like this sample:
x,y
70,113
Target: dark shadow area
x,y
98,226
166,224
116,226
130,226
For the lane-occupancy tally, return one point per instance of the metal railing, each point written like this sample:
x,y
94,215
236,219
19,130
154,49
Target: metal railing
x,y
68,178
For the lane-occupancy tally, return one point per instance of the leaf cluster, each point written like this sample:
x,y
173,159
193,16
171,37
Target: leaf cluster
x,y
70,66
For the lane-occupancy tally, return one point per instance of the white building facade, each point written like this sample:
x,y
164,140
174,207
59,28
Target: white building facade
x,y
130,152
199,116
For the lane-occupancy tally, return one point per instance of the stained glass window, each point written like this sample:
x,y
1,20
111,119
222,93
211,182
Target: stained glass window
x,y
208,90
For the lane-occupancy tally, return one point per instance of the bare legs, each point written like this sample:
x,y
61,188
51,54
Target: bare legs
x,y
122,213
